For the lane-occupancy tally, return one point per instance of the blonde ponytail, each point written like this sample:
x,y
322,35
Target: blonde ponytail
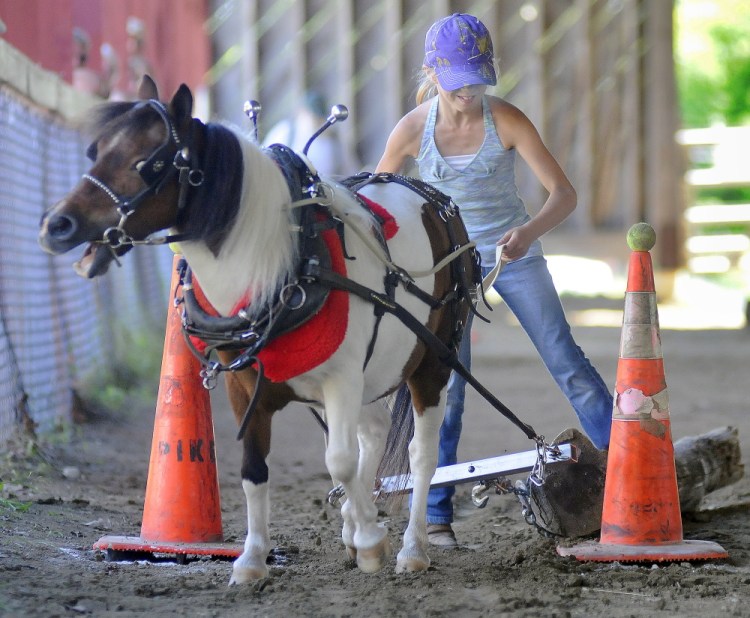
x,y
426,88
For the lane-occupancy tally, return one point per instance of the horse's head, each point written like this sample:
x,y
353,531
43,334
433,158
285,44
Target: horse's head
x,y
141,159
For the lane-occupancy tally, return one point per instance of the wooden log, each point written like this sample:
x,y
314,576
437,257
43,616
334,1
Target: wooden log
x,y
570,501
706,463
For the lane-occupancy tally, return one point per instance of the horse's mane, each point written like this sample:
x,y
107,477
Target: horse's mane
x,y
222,165
240,218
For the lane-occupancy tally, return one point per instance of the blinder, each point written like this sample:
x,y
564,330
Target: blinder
x,y
155,168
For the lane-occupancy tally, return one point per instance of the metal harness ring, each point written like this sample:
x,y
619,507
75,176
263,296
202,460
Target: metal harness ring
x,y
287,294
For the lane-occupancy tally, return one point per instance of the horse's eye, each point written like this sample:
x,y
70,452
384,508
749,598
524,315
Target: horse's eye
x,y
139,165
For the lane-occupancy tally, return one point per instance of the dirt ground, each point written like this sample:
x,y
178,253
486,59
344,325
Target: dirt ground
x,y
95,485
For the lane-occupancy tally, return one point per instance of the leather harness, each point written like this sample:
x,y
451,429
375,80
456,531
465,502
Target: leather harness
x,y
299,299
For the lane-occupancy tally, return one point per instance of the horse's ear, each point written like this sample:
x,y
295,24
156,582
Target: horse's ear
x,y
147,89
182,103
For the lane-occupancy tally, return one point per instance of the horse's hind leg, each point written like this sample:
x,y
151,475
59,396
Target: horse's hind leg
x,y
342,400
371,434
423,457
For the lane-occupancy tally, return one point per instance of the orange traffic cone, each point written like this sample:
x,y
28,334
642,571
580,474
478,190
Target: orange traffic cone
x,y
641,519
182,510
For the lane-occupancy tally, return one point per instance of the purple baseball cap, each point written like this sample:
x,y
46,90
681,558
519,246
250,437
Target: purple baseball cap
x,y
459,48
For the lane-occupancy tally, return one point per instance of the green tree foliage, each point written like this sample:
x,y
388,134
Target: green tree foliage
x,y
713,61
733,49
699,105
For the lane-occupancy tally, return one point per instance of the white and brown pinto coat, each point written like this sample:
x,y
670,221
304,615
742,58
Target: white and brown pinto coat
x,y
241,244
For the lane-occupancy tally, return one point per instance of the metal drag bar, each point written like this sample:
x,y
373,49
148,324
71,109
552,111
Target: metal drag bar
x,y
478,470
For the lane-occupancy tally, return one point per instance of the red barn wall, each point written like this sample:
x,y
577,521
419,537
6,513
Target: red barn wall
x,y
176,44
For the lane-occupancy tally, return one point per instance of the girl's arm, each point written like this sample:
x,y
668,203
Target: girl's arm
x,y
403,142
517,131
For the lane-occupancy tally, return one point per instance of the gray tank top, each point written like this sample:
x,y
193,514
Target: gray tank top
x,y
485,190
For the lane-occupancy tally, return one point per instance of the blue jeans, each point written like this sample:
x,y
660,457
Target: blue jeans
x,y
527,288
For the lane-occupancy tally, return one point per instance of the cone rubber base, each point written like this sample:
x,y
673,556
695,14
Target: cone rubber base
x,y
137,544
684,550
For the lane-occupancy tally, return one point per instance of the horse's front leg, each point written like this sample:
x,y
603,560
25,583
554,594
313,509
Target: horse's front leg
x,y
251,564
363,537
423,457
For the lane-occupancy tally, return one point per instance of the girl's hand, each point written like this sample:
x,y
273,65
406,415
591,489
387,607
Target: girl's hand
x,y
517,242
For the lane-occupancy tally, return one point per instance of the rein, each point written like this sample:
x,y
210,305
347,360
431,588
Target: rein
x,y
445,353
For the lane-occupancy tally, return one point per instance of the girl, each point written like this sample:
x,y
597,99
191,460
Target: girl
x,y
464,142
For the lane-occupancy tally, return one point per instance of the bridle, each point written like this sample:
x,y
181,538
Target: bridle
x,y
155,172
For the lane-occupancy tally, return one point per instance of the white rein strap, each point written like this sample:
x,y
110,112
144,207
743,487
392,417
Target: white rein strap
x,y
489,280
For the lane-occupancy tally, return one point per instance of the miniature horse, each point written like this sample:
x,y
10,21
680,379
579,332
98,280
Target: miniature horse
x,y
236,211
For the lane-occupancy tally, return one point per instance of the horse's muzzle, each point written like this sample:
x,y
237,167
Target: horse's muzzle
x,y
56,233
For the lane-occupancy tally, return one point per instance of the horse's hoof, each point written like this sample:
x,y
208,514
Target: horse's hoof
x,y
370,560
245,575
351,552
412,564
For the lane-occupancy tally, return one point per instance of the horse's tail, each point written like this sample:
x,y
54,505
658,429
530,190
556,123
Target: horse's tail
x,y
396,457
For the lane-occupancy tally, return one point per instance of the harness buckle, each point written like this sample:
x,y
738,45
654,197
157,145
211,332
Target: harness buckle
x,y
447,211
210,374
311,269
335,495
125,209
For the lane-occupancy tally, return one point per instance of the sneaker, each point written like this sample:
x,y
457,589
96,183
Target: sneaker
x,y
441,535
